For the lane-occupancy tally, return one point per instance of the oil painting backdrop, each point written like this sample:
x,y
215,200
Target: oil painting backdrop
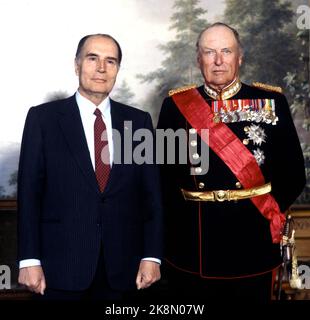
x,y
158,37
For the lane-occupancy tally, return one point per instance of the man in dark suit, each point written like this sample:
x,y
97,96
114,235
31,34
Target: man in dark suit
x,y
223,225
89,221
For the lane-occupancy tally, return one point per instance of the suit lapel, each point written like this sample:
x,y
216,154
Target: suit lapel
x,y
72,128
117,117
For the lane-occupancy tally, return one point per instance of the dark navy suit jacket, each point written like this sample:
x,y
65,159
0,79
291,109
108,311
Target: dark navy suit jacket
x,y
64,220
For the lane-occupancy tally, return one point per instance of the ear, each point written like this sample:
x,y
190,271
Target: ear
x,y
76,67
198,60
240,60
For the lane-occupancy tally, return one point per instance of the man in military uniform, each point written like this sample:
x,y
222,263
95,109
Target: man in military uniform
x,y
223,227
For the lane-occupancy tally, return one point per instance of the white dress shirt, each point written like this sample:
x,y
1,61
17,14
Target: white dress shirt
x,y
87,109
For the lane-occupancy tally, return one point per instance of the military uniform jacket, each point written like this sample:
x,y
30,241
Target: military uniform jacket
x,y
230,239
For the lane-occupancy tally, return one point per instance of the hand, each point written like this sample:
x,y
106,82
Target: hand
x,y
149,272
33,278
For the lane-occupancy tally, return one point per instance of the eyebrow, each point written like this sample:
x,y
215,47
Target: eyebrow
x,y
112,58
91,54
207,48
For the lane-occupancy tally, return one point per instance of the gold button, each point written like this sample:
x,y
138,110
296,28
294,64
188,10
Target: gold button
x,y
238,185
192,131
198,170
245,141
195,156
246,129
201,185
220,195
193,143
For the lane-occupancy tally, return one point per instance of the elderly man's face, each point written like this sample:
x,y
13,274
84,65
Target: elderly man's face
x,y
219,57
97,68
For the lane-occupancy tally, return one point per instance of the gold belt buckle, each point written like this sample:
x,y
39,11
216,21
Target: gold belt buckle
x,y
221,195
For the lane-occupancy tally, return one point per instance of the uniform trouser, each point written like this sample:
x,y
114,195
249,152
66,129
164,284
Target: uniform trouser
x,y
186,286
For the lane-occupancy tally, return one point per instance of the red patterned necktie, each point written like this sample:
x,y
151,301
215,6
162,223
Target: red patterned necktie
x,y
102,156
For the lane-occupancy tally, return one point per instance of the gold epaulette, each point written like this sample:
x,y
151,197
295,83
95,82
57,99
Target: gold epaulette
x,y
181,89
267,87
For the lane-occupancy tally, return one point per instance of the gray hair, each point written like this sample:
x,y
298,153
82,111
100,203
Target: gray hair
x,y
221,24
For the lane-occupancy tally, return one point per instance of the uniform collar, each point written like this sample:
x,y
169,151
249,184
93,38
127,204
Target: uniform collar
x,y
226,92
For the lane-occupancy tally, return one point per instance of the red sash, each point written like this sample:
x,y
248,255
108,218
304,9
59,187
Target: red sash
x,y
234,154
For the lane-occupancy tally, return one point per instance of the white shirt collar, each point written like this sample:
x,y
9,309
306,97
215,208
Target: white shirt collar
x,y
87,107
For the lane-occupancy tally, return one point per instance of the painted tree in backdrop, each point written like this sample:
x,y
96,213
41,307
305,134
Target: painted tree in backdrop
x,y
124,94
269,45
2,192
276,53
179,68
299,88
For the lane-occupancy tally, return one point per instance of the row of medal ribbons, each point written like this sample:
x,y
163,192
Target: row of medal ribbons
x,y
254,110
